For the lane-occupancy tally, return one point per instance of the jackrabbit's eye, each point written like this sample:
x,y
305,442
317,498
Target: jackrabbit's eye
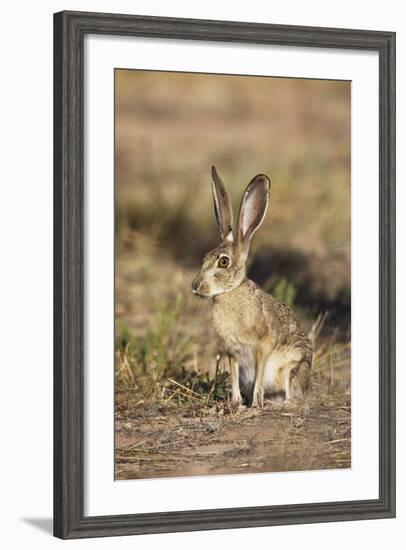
x,y
223,261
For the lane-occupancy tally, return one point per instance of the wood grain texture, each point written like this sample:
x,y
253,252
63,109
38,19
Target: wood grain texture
x,y
69,30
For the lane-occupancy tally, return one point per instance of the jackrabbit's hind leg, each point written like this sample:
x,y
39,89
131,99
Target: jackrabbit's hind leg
x,y
286,376
300,379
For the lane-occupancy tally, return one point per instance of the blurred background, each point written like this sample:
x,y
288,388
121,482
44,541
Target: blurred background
x,y
170,128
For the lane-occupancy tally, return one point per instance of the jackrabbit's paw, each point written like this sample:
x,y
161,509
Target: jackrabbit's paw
x,y
258,399
235,403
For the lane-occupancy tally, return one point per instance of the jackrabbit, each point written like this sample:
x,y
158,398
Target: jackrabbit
x,y
267,350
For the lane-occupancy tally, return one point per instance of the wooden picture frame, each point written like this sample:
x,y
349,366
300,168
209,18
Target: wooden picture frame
x,y
69,31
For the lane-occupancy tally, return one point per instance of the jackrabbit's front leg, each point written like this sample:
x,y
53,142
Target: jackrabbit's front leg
x,y
258,393
235,381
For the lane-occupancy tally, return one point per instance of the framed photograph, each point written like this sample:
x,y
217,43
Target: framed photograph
x,y
224,274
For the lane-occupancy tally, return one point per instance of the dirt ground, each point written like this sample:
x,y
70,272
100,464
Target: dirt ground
x,y
314,435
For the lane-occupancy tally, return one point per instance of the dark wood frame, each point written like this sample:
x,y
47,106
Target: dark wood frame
x,y
69,31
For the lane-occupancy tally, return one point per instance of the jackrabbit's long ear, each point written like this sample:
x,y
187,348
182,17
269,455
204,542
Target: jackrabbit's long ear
x,y
222,207
252,210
